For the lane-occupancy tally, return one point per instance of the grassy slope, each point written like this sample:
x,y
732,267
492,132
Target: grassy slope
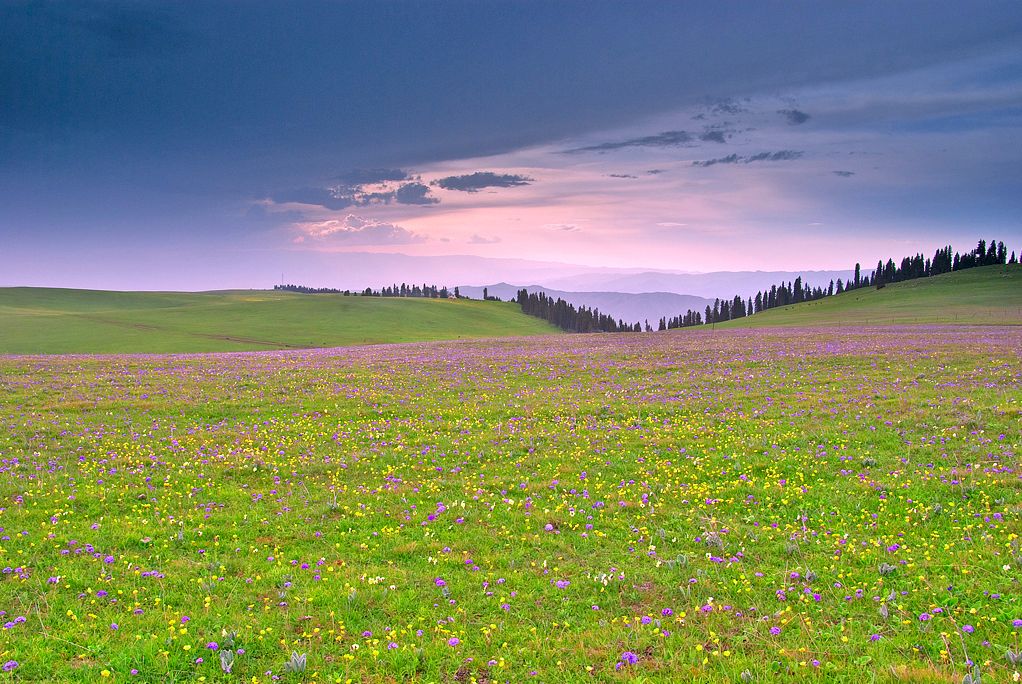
x,y
55,321
978,296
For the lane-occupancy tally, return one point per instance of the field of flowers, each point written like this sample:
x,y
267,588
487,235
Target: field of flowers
x,y
817,505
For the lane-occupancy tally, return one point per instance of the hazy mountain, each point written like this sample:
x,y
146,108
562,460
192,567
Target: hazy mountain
x,y
722,284
630,307
358,270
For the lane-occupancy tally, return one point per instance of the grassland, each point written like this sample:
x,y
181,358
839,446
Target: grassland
x,y
61,321
990,295
57,321
825,505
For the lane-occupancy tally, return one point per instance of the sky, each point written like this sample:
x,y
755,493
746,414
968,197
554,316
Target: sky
x,y
198,146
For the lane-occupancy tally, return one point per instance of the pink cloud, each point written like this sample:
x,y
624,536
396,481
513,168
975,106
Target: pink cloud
x,y
356,231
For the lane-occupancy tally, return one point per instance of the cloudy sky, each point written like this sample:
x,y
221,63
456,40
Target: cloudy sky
x,y
194,146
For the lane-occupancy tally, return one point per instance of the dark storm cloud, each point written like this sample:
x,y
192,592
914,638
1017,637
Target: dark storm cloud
x,y
717,136
279,91
780,155
794,117
665,139
730,159
342,196
475,182
414,193
728,106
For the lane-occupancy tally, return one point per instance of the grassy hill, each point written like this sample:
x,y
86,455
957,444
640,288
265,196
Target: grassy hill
x,y
979,296
60,321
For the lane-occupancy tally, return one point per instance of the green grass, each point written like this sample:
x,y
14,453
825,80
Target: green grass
x,y
61,321
990,295
823,506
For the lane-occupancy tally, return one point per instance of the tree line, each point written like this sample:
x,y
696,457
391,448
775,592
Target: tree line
x,y
402,290
307,290
567,317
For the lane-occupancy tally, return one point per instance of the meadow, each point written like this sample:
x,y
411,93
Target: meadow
x,y
36,320
830,504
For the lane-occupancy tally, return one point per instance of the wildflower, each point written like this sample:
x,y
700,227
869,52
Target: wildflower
x,y
453,641
627,658
10,665
212,645
968,629
923,617
775,630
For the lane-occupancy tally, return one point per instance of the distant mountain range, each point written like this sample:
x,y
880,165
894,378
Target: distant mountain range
x,y
630,307
722,284
651,295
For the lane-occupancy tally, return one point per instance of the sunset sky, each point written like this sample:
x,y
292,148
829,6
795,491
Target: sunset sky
x,y
190,146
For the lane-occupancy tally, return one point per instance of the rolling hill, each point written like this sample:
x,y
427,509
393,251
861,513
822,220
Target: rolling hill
x,y
988,295
62,321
